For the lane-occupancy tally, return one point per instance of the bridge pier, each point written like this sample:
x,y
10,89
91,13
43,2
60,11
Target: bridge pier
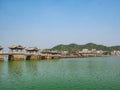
x,y
55,57
16,57
45,57
50,57
2,57
33,57
1,51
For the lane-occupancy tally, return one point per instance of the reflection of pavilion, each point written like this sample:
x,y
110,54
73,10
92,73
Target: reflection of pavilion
x,y
16,68
1,51
16,53
32,53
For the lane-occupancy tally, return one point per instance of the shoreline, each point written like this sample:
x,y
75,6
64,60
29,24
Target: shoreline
x,y
88,56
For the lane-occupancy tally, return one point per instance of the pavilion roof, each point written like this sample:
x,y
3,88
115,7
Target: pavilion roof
x,y
16,47
1,47
32,49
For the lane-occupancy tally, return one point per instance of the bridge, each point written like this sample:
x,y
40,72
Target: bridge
x,y
27,56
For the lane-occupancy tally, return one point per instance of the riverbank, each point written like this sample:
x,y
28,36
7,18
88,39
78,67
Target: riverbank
x,y
87,56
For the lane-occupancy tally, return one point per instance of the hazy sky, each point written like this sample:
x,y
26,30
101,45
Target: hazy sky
x,y
46,23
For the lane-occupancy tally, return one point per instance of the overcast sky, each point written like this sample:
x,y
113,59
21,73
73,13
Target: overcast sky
x,y
46,23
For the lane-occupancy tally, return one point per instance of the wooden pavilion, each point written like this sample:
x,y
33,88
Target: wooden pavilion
x,y
32,50
16,48
32,53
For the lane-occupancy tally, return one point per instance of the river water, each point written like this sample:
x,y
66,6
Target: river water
x,y
98,73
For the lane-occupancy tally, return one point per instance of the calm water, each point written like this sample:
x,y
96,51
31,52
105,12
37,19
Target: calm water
x,y
102,73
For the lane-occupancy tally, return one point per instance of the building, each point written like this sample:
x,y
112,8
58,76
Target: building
x,y
115,53
64,53
32,50
85,50
16,48
16,52
32,53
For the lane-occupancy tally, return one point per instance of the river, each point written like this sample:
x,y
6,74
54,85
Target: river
x,y
97,73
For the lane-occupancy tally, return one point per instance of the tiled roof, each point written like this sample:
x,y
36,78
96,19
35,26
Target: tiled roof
x,y
16,47
32,49
1,47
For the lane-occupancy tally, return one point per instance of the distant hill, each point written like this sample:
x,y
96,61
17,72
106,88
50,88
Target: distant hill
x,y
73,47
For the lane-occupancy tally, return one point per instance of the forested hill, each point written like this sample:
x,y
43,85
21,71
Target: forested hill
x,y
72,47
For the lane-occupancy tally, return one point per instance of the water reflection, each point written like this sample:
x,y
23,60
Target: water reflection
x,y
15,69
1,68
31,67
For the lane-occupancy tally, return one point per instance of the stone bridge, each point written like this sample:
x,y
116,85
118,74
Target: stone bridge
x,y
27,56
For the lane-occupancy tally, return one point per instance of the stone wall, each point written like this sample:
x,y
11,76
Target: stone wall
x,y
1,57
33,57
16,57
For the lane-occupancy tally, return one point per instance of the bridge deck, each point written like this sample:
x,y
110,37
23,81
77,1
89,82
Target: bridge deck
x,y
17,53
